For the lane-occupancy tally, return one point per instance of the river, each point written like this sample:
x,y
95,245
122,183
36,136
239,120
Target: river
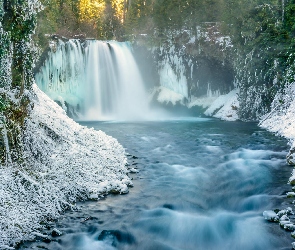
x,y
202,184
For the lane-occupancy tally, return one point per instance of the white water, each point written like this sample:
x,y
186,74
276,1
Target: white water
x,y
99,78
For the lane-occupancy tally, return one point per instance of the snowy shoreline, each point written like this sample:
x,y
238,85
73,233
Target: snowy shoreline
x,y
64,162
55,175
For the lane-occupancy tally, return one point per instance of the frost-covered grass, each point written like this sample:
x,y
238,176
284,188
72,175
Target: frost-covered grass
x,y
64,162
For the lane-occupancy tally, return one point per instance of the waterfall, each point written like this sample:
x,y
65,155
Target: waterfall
x,y
101,79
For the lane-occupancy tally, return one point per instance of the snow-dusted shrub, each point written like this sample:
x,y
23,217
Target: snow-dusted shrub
x,y
63,162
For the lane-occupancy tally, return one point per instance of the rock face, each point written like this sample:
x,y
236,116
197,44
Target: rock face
x,y
188,66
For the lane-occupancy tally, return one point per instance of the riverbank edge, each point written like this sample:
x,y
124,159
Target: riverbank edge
x,y
280,121
63,163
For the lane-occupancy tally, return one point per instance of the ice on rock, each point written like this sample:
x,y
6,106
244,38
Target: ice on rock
x,y
283,223
270,216
55,232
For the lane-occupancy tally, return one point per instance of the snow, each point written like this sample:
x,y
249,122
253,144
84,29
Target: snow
x,y
292,178
174,79
63,162
225,107
166,95
204,102
270,216
281,119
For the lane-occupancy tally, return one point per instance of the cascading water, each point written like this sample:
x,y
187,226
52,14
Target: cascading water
x,y
101,79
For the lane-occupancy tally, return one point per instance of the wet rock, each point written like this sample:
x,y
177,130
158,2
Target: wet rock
x,y
291,157
286,211
290,194
93,197
168,206
133,170
114,191
270,216
292,180
56,233
284,218
115,237
283,223
42,237
92,229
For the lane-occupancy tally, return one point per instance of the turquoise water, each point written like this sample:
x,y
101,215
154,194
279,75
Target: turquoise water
x,y
202,184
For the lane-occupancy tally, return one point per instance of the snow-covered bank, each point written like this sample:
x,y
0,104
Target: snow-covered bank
x,y
224,107
64,162
281,119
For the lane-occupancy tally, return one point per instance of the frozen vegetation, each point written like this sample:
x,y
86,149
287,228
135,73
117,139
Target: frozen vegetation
x,y
63,162
282,117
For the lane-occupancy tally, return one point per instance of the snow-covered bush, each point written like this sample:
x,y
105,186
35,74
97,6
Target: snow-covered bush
x,y
63,162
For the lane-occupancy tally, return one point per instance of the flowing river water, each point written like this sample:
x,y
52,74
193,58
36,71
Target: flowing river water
x,y
202,184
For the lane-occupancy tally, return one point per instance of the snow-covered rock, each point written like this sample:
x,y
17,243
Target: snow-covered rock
x,y
225,107
290,194
166,95
63,162
284,218
292,178
289,226
270,215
